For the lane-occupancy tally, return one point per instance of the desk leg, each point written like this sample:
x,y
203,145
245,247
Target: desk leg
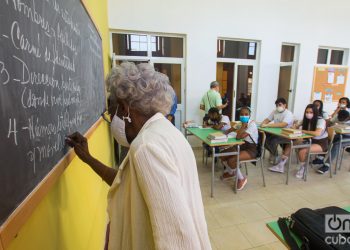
x,y
289,160
330,162
236,176
307,161
212,173
203,149
338,154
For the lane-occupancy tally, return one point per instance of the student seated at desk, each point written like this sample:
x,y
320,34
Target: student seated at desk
x,y
217,120
281,118
249,133
321,112
325,115
342,119
344,104
312,124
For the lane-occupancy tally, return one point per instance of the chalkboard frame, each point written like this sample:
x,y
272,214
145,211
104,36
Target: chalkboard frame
x,y
12,225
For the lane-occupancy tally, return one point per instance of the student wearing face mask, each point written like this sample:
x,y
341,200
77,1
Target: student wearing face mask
x,y
324,115
155,200
344,104
312,124
249,133
281,117
343,119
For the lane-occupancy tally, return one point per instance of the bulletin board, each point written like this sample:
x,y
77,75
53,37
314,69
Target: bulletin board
x,y
329,83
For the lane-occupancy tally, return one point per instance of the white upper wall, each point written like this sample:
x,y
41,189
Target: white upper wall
x,y
310,23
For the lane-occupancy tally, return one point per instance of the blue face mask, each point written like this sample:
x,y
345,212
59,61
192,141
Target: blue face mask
x,y
244,119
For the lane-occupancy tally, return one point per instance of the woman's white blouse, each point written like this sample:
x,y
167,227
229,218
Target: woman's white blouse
x,y
155,200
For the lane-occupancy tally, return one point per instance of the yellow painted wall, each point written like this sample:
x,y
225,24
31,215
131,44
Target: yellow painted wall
x,y
73,214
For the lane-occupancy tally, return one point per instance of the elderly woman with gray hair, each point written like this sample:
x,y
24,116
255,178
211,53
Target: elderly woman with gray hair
x,y
155,200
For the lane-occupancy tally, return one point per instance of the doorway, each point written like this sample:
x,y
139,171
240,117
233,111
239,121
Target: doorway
x,y
175,72
288,73
284,82
224,75
236,85
236,70
244,88
165,53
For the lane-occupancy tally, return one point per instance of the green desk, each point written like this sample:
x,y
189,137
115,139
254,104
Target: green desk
x,y
275,229
278,132
202,134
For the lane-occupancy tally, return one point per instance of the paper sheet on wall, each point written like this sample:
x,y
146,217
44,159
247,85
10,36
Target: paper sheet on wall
x,y
340,79
317,95
330,77
328,98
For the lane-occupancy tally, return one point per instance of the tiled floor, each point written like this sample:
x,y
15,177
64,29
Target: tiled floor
x,y
238,221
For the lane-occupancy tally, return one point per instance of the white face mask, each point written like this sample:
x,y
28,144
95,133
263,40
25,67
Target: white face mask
x,y
280,109
118,129
342,106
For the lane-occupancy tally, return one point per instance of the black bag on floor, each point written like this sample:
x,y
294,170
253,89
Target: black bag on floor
x,y
309,226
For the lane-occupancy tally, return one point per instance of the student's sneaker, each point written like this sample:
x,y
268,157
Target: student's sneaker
x,y
227,176
300,173
241,183
317,161
279,168
324,169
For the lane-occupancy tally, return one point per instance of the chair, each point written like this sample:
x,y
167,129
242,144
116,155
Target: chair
x,y
205,153
341,158
327,154
256,160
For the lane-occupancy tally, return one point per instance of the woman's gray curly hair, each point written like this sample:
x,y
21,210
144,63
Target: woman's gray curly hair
x,y
143,88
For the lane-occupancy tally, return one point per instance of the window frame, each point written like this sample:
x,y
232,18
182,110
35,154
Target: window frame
x,y
329,55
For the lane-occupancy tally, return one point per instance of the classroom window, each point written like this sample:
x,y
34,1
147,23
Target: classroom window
x,y
287,53
322,56
129,44
332,56
167,46
165,53
337,57
236,49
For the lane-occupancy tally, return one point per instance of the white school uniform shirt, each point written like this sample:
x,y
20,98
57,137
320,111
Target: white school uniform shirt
x,y
325,115
321,123
155,200
226,120
252,130
285,116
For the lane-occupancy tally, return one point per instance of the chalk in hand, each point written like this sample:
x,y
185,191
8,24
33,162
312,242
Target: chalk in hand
x,y
69,141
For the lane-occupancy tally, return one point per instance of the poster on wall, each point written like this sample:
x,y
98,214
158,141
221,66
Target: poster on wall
x,y
330,77
329,83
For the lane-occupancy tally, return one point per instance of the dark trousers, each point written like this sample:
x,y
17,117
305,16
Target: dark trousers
x,y
272,142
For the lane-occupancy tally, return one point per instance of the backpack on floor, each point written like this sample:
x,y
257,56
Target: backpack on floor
x,y
310,226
